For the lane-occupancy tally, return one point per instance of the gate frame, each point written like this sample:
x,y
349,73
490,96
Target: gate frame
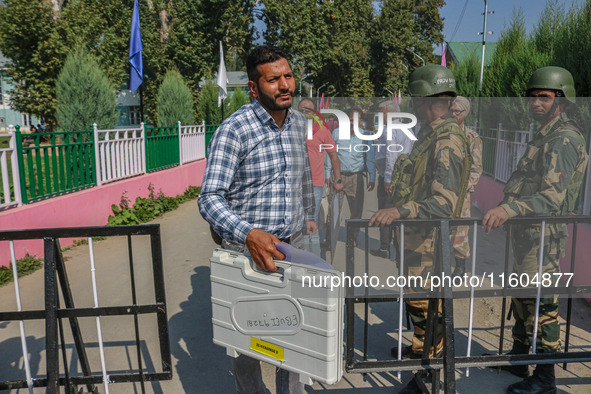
x,y
53,314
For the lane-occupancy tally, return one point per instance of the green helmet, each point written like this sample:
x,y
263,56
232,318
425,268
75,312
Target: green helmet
x,y
553,78
431,80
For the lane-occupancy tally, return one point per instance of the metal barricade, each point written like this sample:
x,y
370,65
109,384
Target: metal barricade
x,y
54,314
442,264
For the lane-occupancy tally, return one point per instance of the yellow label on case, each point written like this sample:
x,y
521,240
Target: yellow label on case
x,y
266,348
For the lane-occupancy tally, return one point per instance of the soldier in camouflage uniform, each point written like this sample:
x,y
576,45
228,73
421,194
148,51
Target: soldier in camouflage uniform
x,y
460,109
428,183
546,182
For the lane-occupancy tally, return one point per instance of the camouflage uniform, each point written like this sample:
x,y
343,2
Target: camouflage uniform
x,y
461,244
546,182
435,193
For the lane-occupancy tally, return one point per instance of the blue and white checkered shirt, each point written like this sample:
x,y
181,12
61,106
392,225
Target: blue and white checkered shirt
x,y
257,176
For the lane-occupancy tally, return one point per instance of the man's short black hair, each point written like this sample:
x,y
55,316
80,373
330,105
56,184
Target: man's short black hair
x,y
261,55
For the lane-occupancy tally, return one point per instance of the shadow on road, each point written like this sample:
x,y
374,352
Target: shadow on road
x,y
202,366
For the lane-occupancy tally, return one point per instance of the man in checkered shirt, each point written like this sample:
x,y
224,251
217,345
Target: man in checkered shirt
x,y
257,188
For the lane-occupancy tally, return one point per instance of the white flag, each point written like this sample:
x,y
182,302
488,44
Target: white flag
x,y
222,78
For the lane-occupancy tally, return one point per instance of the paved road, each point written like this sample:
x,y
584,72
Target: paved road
x,y
199,366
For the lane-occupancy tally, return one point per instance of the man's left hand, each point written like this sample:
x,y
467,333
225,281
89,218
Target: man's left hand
x,y
311,227
494,218
370,186
384,217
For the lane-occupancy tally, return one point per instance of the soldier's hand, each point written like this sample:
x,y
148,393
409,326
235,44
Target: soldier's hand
x,y
311,227
494,218
261,246
384,217
370,186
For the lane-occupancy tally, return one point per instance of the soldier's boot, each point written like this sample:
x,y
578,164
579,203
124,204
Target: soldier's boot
x,y
460,269
521,371
542,381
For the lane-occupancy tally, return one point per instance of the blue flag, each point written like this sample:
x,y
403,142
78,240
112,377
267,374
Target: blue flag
x,y
135,51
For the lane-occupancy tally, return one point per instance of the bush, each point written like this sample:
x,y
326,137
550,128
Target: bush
x,y
25,266
149,208
175,101
84,95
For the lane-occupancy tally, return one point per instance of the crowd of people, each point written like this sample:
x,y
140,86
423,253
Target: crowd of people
x,y
265,179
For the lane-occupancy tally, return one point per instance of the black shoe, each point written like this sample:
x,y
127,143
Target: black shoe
x,y
384,253
542,381
407,352
521,371
459,271
460,267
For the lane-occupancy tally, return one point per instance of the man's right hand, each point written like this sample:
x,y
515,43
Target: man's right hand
x,y
261,246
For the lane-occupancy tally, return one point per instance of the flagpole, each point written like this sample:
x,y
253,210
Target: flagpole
x,y
222,111
142,103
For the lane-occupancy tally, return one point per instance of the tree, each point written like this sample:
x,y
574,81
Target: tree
x,y
207,102
467,74
428,28
305,36
30,39
393,31
84,94
175,101
237,100
347,61
198,26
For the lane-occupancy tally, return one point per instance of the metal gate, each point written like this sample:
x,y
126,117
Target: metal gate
x,y
54,314
442,264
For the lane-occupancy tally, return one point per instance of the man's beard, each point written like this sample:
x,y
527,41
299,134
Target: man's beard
x,y
270,102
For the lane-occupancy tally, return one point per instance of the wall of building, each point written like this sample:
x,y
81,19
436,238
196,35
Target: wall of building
x,y
90,207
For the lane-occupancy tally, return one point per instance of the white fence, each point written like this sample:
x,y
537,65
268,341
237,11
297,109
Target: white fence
x,y
511,145
10,171
121,153
192,142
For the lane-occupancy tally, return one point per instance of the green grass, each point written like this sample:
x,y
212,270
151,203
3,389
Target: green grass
x,y
25,266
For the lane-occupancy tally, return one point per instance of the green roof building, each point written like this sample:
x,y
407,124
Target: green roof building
x,y
457,51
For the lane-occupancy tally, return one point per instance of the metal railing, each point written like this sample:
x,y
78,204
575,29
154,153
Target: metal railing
x,y
442,264
191,142
40,165
62,164
162,148
54,314
502,150
210,129
121,153
10,191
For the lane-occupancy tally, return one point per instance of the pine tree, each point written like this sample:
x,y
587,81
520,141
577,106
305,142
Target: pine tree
x,y
467,74
207,102
175,101
237,100
84,95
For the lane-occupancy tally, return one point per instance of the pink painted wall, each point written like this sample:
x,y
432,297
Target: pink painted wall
x,y
91,207
489,193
